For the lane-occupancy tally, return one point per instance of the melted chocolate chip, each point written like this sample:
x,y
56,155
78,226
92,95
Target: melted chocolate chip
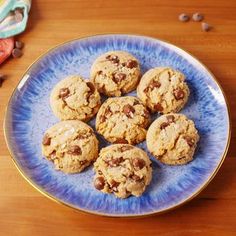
x,y
138,163
135,177
121,140
158,107
74,150
118,77
136,102
115,162
164,125
114,185
179,94
99,183
131,64
125,148
189,140
46,140
128,110
154,84
63,93
113,58
91,87
170,118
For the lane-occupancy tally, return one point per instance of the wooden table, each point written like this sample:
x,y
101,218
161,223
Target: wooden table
x,y
24,211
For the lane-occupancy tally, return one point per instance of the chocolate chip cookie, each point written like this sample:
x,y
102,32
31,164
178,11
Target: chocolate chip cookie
x,y
122,169
115,73
123,120
75,98
172,139
71,146
163,90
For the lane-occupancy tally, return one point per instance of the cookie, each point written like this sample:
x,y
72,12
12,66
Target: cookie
x,y
122,169
123,120
71,146
163,90
172,139
75,99
115,73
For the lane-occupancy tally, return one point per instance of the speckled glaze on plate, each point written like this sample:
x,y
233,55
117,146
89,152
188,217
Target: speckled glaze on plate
x,y
28,115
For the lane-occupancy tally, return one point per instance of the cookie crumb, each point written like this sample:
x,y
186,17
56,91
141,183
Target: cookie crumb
x,y
206,27
184,17
197,16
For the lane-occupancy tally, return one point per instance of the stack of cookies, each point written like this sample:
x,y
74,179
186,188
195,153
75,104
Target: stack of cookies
x,y
120,168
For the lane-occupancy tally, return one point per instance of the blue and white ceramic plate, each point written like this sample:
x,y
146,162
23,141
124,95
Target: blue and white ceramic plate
x,y
29,115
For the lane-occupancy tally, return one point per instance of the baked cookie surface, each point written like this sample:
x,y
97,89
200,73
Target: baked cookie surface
x,y
162,89
75,98
123,120
172,139
71,145
122,169
115,73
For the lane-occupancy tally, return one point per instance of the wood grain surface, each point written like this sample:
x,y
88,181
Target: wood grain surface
x,y
24,211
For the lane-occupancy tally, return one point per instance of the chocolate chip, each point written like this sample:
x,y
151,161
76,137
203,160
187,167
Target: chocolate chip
x,y
128,110
121,140
91,87
197,17
74,150
183,17
131,64
136,178
16,53
146,90
99,172
118,77
52,155
136,102
19,44
46,140
164,125
125,148
179,94
83,162
63,93
123,64
170,118
146,114
206,27
154,84
114,185
189,140
115,162
102,119
99,72
138,163
99,183
113,58
158,107
18,15
107,112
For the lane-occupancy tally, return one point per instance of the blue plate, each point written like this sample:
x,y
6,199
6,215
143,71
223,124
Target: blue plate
x,y
28,116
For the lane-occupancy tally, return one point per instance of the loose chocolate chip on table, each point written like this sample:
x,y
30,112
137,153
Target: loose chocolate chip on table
x,y
18,15
158,107
74,150
206,27
197,16
16,53
121,140
138,163
164,125
128,109
189,140
183,17
179,94
99,183
64,92
170,118
131,64
118,77
46,140
154,84
19,44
